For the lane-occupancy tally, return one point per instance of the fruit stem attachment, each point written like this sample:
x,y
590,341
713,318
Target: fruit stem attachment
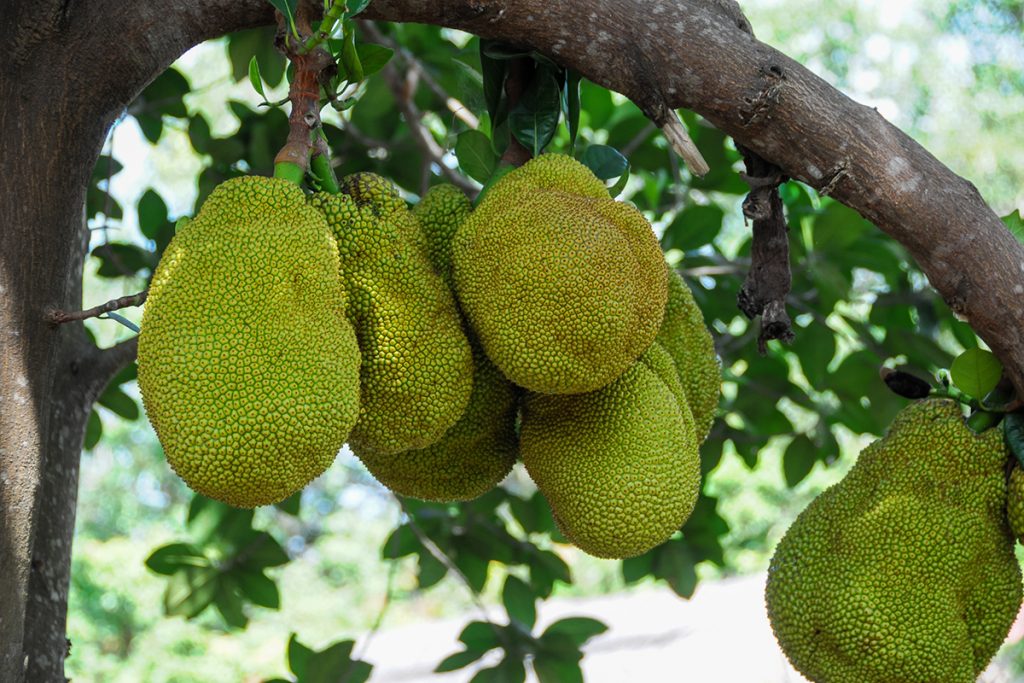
x,y
320,165
982,420
289,171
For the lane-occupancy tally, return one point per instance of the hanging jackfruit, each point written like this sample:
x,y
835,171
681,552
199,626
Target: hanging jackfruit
x,y
904,570
686,338
248,368
475,454
564,286
619,466
417,365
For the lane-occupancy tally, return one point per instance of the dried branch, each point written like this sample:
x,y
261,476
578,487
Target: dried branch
x,y
58,317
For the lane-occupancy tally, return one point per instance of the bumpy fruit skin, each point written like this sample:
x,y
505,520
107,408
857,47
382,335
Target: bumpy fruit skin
x,y
903,571
686,338
417,365
479,451
1015,502
619,466
248,368
564,286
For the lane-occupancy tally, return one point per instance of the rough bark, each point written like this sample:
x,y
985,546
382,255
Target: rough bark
x,y
69,67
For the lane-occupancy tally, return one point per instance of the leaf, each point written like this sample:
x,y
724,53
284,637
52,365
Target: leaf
x,y
298,656
694,227
551,669
165,95
976,372
475,154
373,57
459,660
400,543
168,559
152,213
605,162
190,591
265,552
255,79
534,119
479,636
519,601
258,588
508,671
93,431
675,565
291,505
799,459
287,8
1015,223
1013,430
121,260
579,629
493,71
350,55
229,603
572,106
355,7
335,664
815,345
120,403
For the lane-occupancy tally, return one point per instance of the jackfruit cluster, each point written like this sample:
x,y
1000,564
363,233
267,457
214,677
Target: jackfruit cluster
x,y
904,570
443,343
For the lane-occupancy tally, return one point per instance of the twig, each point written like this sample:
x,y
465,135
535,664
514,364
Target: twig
x,y
59,317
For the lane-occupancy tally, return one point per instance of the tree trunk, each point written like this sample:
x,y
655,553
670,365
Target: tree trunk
x,y
69,68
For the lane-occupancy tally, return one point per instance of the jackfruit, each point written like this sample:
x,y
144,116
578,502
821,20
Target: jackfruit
x,y
686,338
1015,502
903,571
248,368
564,286
417,365
479,451
619,466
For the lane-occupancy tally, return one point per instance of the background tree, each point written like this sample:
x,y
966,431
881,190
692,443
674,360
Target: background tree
x,y
59,107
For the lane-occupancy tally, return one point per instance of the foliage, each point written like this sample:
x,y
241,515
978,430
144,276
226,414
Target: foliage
x,y
857,304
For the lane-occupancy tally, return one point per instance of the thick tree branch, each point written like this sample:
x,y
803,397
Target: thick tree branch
x,y
698,55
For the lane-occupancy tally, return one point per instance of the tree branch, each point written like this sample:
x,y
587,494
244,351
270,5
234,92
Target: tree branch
x,y
59,317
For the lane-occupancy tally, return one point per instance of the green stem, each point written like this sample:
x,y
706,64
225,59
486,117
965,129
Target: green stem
x,y
982,420
289,171
320,167
331,18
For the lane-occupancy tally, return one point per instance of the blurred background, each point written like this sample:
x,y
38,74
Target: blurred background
x,y
347,561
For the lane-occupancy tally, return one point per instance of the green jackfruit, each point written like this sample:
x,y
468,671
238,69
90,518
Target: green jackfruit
x,y
903,571
417,365
619,466
686,338
564,286
1015,502
233,371
479,451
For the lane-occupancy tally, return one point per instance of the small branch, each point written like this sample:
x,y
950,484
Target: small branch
x,y
677,136
404,90
59,317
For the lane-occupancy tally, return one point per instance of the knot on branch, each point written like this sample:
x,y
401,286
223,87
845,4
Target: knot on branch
x,y
768,282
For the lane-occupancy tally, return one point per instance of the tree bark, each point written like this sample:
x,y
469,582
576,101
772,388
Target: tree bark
x,y
69,68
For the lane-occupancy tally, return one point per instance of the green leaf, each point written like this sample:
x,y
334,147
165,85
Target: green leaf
x,y
1015,223
190,591
551,669
373,57
459,660
799,459
291,504
605,162
93,431
976,372
298,656
258,588
534,119
479,636
519,601
572,106
675,565
350,55
508,671
264,551
694,227
815,345
287,8
475,154
578,629
335,664
400,543
152,213
355,7
120,403
493,71
431,570
1013,430
121,260
229,603
255,79
165,95
474,568
169,559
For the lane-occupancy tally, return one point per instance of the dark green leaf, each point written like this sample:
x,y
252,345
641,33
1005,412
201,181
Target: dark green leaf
x,y
170,558
1015,223
579,629
355,7
636,568
258,588
291,504
152,213
459,660
93,431
605,162
287,8
254,78
474,568
264,551
475,154
229,603
165,95
800,457
493,71
694,227
519,601
400,543
1013,428
298,656
508,671
373,57
479,636
120,403
121,260
815,345
431,570
676,566
976,372
335,664
551,669
534,119
190,591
